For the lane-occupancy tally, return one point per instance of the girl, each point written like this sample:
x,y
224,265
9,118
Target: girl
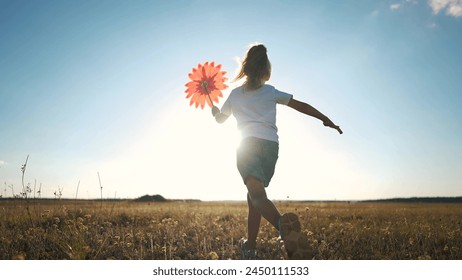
x,y
254,106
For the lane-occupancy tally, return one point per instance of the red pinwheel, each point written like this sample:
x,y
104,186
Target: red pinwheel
x,y
207,82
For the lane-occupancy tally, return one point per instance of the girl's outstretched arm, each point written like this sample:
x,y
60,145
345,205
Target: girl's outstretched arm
x,y
311,111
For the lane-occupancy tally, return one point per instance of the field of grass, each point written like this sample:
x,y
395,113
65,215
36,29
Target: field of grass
x,y
54,230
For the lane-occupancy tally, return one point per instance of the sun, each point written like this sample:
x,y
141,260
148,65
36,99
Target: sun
x,y
183,154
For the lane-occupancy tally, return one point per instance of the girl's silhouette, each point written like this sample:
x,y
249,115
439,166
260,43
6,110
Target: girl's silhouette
x,y
254,106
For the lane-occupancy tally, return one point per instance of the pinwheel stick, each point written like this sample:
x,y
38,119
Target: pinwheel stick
x,y
205,86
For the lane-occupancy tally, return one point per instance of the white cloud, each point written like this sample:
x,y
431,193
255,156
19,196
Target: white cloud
x,y
395,6
2,162
438,5
452,7
401,4
455,10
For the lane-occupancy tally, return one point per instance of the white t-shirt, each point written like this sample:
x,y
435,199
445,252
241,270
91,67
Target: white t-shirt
x,y
255,111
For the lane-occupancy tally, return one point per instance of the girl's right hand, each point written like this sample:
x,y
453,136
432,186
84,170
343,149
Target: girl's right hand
x,y
329,123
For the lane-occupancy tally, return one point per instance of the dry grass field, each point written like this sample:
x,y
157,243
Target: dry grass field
x,y
66,229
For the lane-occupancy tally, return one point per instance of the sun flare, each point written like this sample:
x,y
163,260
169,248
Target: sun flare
x,y
183,154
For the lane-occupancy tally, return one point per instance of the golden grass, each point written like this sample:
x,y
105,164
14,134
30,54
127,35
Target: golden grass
x,y
211,230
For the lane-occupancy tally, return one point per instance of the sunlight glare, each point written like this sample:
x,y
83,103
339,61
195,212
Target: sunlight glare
x,y
184,154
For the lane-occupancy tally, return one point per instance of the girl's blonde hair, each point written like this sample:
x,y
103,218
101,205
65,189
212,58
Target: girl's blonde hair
x,y
256,67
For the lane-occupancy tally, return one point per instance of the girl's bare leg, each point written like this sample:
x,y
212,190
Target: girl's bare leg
x,y
253,225
260,201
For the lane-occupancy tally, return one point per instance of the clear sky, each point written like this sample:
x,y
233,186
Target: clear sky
x,y
98,86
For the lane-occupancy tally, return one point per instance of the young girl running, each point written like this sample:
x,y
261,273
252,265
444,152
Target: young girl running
x,y
254,106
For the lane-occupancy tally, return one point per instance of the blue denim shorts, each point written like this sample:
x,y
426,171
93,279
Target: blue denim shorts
x,y
257,157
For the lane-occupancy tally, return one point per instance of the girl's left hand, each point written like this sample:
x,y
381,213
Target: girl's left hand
x,y
215,110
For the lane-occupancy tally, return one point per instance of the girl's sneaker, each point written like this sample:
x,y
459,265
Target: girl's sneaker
x,y
297,244
247,254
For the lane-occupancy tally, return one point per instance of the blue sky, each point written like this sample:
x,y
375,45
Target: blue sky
x,y
98,86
